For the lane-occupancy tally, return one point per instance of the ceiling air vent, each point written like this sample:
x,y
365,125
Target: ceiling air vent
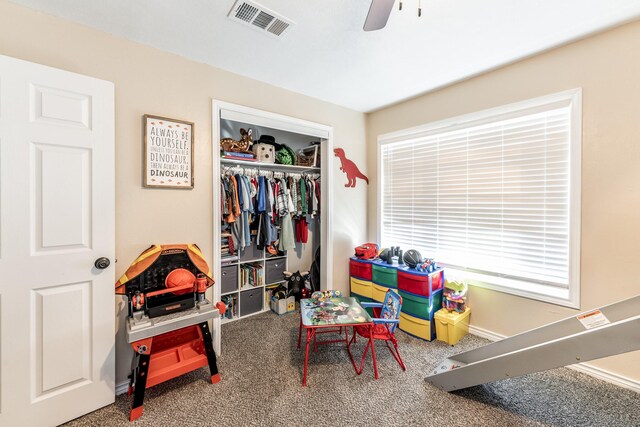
x,y
259,17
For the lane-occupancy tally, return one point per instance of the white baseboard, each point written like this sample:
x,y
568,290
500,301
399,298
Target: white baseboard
x,y
607,376
484,333
122,388
585,368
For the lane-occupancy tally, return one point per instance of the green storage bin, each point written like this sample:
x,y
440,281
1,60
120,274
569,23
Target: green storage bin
x,y
419,306
385,276
360,298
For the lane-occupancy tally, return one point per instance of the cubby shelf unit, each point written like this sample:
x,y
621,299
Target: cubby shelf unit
x,y
231,286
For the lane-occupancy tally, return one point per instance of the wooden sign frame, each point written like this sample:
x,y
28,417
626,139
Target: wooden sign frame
x,y
168,152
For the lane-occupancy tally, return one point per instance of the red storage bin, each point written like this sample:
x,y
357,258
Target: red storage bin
x,y
419,283
360,269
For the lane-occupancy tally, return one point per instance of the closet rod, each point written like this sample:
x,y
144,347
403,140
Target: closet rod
x,y
270,174
277,166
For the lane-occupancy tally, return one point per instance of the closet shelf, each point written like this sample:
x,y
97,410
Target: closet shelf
x,y
249,287
274,284
229,293
270,166
233,259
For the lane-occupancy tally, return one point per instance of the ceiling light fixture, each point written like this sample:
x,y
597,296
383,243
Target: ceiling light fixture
x,y
379,12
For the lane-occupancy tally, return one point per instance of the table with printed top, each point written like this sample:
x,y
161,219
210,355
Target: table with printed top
x,y
330,313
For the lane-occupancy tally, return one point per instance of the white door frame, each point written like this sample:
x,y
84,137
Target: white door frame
x,y
290,124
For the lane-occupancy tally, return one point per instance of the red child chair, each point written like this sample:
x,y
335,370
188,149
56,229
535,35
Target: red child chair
x,y
385,322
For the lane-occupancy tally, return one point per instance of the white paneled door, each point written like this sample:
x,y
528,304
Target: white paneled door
x,y
56,220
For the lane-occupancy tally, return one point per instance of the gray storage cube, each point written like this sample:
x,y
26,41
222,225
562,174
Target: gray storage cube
x,y
251,253
274,270
229,279
251,301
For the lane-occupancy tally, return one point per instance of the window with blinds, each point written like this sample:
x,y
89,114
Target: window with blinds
x,y
493,196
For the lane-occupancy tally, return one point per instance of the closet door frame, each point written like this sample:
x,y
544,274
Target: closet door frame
x,y
229,111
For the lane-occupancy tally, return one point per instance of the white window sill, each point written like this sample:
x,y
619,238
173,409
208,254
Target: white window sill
x,y
560,296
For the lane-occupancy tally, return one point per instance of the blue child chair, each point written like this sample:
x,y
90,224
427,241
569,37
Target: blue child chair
x,y
385,322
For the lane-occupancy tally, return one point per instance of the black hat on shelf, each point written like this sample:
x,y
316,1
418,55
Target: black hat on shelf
x,y
268,139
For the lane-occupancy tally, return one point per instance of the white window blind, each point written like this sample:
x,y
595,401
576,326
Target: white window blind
x,y
489,197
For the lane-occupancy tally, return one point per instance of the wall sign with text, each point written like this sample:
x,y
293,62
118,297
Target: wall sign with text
x,y
168,152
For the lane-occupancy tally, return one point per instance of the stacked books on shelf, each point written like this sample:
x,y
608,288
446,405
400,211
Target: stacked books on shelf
x,y
227,249
251,275
231,301
239,156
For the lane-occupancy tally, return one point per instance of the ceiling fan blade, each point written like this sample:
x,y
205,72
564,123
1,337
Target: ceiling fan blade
x,y
378,14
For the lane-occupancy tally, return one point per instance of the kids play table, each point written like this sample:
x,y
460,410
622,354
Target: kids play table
x,y
317,315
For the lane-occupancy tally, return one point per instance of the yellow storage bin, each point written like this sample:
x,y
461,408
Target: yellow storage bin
x,y
419,328
378,292
361,287
451,326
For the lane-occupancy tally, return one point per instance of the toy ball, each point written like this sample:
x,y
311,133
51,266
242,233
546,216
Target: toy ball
x,y
412,258
180,277
385,254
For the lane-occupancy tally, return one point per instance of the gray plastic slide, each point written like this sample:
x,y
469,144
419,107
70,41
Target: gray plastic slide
x,y
606,331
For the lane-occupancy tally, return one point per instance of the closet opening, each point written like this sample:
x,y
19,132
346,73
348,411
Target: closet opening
x,y
272,207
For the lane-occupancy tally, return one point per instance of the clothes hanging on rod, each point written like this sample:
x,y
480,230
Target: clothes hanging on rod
x,y
258,203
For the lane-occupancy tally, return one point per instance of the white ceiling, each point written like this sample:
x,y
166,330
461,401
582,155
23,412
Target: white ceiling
x,y
327,55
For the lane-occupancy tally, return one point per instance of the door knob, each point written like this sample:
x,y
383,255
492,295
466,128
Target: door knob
x,y
102,263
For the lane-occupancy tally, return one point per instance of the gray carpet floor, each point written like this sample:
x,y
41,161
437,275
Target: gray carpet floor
x,y
261,386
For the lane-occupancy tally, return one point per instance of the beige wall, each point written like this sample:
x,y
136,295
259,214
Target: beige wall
x,y
149,81
607,67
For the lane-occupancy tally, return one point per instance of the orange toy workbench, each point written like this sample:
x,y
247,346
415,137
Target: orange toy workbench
x,y
167,356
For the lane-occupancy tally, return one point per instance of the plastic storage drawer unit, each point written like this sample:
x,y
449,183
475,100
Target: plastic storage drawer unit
x,y
385,276
420,283
361,287
419,306
360,269
451,327
378,292
419,328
